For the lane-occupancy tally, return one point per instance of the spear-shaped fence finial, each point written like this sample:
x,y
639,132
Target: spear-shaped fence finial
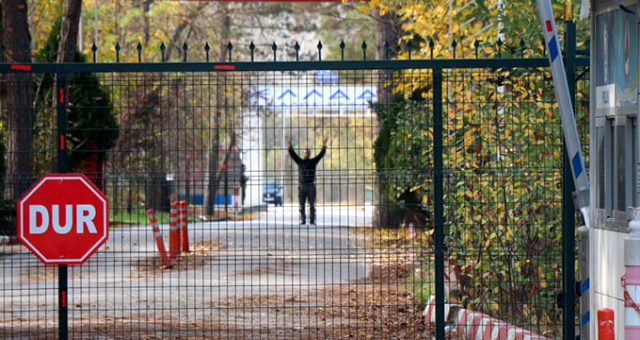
x,y
454,45
252,48
185,49
431,47
364,50
274,48
94,52
387,50
117,52
139,49
476,47
296,47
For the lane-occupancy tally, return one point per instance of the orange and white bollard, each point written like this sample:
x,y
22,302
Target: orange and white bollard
x,y
164,258
630,281
174,233
182,225
606,329
236,199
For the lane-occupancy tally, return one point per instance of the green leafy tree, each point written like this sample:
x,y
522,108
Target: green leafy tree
x,y
91,124
402,153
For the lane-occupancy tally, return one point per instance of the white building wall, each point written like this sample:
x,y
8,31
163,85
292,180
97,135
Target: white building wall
x,y
606,270
251,155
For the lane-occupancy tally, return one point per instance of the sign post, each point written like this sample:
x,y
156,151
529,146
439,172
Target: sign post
x,y
63,220
61,116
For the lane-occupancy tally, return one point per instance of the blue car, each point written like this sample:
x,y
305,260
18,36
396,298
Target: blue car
x,y
272,193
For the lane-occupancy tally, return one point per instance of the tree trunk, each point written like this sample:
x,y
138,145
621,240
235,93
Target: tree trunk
x,y
225,32
129,201
387,32
146,7
69,31
215,176
157,191
17,98
213,167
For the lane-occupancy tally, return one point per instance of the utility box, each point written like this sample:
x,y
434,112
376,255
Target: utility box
x,y
614,148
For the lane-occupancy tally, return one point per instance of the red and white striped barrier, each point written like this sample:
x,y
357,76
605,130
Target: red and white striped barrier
x,y
8,239
182,226
174,233
164,258
473,325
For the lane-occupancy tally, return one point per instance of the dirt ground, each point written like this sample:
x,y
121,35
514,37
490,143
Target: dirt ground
x,y
200,254
270,283
375,307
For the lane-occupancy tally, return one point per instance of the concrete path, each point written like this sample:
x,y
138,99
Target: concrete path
x,y
270,255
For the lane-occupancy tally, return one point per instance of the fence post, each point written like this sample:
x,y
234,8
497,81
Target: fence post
x,y
438,200
61,167
568,209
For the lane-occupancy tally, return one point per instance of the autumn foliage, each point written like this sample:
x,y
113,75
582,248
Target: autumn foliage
x,y
502,164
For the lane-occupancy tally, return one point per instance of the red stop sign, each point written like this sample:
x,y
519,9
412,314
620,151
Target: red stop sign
x,y
63,219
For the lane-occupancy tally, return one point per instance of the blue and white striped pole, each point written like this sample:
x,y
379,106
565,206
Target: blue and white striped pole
x,y
572,142
567,117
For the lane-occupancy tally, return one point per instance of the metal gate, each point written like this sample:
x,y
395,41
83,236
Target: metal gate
x,y
439,201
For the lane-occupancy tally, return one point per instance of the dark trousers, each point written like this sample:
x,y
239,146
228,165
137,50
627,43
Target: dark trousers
x,y
307,191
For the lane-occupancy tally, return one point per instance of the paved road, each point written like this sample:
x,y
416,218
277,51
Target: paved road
x,y
269,255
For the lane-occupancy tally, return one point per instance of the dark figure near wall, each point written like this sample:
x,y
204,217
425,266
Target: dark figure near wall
x,y
243,182
306,179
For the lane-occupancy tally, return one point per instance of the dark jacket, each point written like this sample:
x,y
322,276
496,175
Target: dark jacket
x,y
307,167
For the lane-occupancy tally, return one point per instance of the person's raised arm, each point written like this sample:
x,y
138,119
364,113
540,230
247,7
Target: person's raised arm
x,y
292,152
323,151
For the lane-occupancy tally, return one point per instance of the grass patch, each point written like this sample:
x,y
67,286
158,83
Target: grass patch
x,y
139,216
136,216
422,282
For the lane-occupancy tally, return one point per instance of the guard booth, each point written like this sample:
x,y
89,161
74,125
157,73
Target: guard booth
x,y
614,147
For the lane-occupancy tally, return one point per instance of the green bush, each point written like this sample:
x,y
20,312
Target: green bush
x,y
502,174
